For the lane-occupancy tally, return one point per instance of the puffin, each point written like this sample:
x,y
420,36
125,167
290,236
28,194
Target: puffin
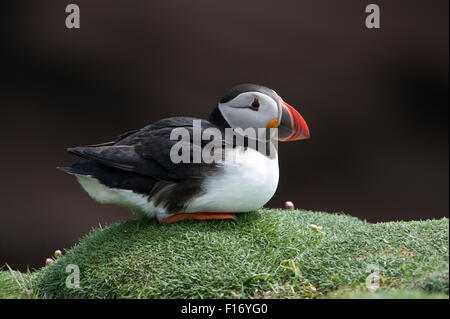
x,y
137,170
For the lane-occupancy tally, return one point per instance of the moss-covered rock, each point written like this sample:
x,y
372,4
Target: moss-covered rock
x,y
269,253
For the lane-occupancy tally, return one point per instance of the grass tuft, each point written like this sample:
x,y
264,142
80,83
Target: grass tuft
x,y
16,285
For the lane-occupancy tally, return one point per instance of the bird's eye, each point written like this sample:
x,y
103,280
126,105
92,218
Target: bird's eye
x,y
255,105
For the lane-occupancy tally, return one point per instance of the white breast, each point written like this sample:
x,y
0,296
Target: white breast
x,y
247,181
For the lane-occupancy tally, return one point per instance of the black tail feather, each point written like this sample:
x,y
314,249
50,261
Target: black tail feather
x,y
111,176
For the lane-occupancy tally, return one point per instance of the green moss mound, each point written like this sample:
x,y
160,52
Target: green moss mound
x,y
266,254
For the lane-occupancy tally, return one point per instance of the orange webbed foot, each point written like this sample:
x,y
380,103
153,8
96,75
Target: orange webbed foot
x,y
198,216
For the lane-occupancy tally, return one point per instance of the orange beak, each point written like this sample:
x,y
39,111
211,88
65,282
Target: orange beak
x,y
292,125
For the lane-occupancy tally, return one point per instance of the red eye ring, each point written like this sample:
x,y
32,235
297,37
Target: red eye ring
x,y
255,105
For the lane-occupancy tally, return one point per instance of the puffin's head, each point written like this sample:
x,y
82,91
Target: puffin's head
x,y
255,106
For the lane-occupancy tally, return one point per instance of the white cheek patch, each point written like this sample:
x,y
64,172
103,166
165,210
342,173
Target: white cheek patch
x,y
238,114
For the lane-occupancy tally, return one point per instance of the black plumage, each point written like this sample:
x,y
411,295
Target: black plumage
x,y
248,87
140,161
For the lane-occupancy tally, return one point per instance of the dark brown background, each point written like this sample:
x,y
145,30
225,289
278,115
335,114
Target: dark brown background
x,y
376,101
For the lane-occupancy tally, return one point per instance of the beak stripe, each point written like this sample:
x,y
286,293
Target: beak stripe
x,y
300,129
